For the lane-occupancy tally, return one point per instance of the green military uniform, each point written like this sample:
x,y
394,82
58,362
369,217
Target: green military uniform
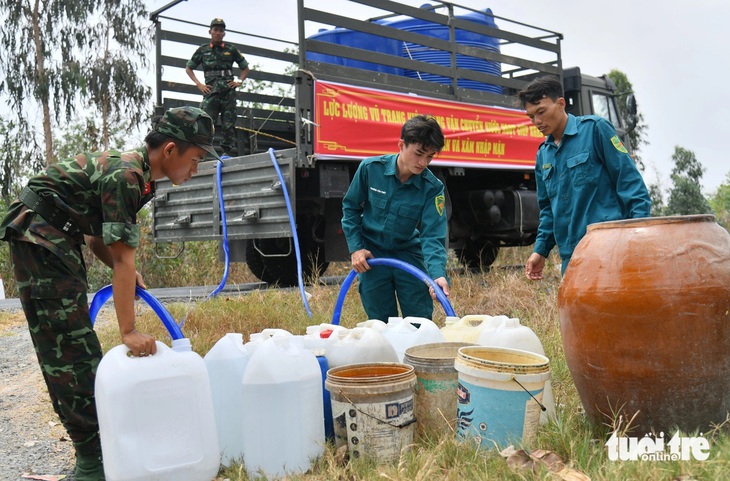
x,y
217,62
101,194
95,194
404,221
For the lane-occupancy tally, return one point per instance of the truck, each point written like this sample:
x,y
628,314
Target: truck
x,y
347,86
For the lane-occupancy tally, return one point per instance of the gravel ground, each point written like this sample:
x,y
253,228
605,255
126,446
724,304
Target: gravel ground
x,y
33,443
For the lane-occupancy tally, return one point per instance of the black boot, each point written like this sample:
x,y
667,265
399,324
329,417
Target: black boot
x,y
89,468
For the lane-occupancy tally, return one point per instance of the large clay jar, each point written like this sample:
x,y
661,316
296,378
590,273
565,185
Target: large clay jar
x,y
645,318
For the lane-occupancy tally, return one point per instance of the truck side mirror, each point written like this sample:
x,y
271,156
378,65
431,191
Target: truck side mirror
x,y
631,104
632,110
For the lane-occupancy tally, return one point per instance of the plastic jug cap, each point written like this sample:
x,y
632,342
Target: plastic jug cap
x,y
325,334
181,345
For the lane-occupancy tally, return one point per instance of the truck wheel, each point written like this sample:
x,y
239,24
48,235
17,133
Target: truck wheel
x,y
477,255
283,270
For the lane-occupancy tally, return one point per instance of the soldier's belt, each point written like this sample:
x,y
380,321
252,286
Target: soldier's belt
x,y
218,73
44,206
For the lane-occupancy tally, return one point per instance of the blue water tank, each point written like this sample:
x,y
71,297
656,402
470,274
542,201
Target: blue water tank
x,y
443,58
353,38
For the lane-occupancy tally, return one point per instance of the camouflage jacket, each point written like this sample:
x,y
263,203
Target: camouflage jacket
x,y
101,192
214,59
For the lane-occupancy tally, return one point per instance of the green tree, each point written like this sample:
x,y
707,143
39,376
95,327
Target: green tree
x,y
55,56
17,151
637,135
113,84
685,195
720,203
657,200
85,135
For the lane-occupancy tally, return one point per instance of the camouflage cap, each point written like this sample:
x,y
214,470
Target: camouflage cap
x,y
217,21
190,124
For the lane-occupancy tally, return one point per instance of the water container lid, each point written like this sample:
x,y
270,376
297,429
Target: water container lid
x,y
181,345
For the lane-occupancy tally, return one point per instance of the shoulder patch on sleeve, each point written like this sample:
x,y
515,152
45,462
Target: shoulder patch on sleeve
x,y
617,143
440,201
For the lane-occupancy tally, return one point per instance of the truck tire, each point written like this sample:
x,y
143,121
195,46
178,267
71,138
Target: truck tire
x,y
283,270
478,255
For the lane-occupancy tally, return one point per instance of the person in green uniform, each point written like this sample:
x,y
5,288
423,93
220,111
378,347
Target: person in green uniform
x,y
219,89
584,174
92,199
395,208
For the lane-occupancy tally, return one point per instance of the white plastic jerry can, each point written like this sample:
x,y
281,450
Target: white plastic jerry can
x,y
156,415
511,334
411,331
468,328
226,362
360,345
283,413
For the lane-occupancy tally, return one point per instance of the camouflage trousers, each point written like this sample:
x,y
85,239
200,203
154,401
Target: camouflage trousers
x,y
53,295
224,103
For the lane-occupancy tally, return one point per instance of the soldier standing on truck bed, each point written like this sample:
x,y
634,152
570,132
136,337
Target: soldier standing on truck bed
x,y
219,89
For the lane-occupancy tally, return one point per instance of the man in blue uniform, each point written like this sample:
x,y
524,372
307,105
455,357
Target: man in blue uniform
x,y
219,89
584,174
394,208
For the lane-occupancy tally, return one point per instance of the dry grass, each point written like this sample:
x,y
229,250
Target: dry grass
x,y
503,290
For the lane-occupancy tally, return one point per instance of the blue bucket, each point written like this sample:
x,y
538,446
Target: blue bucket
x,y
499,395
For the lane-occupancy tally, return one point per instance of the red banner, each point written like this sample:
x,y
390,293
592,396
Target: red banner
x,y
355,122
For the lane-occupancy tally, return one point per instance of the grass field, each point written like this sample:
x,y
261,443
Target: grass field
x,y
501,291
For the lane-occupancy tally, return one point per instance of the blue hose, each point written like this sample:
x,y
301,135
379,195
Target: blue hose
x,y
106,292
293,224
416,272
224,223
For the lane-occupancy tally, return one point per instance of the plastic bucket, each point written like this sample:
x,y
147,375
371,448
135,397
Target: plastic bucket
x,y
500,394
436,386
372,408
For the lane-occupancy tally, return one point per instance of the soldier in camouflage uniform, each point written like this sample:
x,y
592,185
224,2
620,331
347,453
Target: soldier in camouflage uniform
x,y
92,199
219,89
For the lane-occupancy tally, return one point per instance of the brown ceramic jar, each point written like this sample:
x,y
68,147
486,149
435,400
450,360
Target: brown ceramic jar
x,y
645,319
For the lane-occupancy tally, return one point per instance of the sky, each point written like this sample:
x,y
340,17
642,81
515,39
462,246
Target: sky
x,y
675,55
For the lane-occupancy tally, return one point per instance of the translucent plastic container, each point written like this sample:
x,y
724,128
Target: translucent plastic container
x,y
156,416
360,345
468,328
511,334
282,409
409,332
317,337
226,362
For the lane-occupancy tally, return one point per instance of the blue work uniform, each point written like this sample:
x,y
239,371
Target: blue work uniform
x,y
588,178
404,221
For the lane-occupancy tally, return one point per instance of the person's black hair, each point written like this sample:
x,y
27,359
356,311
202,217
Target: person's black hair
x,y
548,87
424,130
155,139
